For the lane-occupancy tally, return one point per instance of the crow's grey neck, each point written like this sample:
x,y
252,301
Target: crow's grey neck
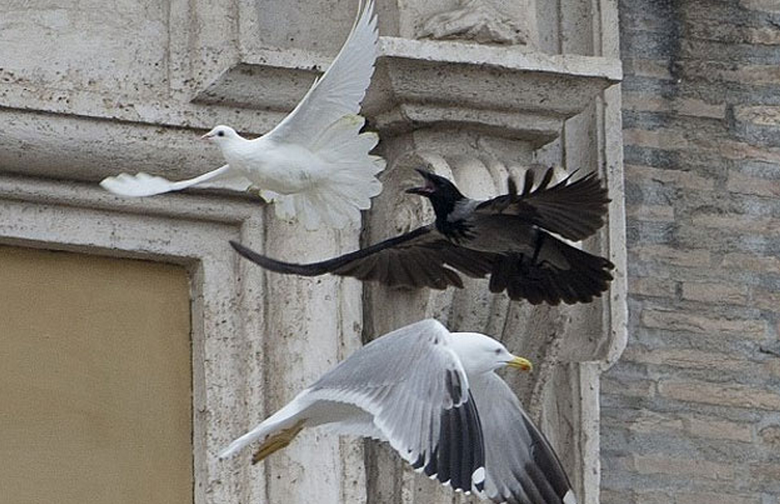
x,y
463,209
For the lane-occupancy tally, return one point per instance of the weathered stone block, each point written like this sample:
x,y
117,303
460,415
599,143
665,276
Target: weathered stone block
x,y
659,464
671,255
703,324
752,262
648,286
770,6
715,292
663,213
740,183
716,498
686,358
740,396
679,178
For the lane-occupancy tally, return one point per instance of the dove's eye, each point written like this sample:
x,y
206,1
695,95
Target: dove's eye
x,y
220,133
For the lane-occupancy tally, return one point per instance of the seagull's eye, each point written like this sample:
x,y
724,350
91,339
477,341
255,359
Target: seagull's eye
x,y
220,133
498,351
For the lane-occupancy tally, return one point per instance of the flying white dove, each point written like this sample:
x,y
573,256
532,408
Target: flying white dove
x,y
314,165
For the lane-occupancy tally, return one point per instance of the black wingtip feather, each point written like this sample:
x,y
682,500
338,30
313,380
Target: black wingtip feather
x,y
459,451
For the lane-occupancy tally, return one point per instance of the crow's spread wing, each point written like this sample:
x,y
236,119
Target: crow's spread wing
x,y
423,258
555,272
574,210
420,258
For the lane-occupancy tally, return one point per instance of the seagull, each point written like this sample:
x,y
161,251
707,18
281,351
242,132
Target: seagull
x,y
512,238
314,165
434,396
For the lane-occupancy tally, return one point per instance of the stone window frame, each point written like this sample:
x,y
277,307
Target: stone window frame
x,y
186,230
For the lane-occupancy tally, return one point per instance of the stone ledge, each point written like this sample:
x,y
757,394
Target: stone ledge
x,y
497,91
422,83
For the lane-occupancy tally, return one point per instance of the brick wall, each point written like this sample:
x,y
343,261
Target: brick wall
x,y
691,414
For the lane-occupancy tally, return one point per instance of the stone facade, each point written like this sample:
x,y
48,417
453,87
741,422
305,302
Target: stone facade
x,y
476,89
690,414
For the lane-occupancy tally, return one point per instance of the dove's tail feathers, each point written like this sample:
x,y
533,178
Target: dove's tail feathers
x,y
349,178
324,204
143,184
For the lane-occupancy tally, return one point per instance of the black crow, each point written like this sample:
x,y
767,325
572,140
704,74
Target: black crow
x,y
508,238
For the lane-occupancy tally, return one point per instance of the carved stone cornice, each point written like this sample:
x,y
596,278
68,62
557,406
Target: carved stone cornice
x,y
423,83
499,91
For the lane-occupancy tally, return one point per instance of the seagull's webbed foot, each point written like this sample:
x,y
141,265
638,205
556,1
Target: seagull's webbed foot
x,y
276,442
254,191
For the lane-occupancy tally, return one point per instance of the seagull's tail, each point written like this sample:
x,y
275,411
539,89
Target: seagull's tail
x,y
348,178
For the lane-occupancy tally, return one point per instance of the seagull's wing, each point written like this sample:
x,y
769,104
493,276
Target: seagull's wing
x,y
420,258
414,386
340,89
143,184
574,210
521,466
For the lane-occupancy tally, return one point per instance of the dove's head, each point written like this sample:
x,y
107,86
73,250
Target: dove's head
x,y
221,134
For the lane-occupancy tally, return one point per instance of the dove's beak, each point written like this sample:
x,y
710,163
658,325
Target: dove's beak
x,y
207,136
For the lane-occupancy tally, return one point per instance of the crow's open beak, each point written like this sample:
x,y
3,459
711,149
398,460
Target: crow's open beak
x,y
429,187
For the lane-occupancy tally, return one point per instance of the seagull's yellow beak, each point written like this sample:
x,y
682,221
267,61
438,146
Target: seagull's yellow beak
x,y
520,363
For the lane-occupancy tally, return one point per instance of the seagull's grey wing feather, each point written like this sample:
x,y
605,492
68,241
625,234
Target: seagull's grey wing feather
x,y
415,387
340,89
521,466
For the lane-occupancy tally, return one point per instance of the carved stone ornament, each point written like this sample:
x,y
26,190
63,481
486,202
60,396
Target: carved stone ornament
x,y
476,20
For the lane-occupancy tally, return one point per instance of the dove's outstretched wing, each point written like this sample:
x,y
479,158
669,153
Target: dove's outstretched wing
x,y
339,91
143,184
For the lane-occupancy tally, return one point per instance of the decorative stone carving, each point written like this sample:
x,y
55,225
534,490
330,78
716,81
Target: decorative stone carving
x,y
478,21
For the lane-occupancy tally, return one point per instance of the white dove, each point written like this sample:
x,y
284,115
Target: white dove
x,y
315,164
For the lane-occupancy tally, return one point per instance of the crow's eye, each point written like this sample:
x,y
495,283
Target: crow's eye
x,y
220,133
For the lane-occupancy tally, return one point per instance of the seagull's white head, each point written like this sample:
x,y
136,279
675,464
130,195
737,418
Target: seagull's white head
x,y
221,134
481,354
